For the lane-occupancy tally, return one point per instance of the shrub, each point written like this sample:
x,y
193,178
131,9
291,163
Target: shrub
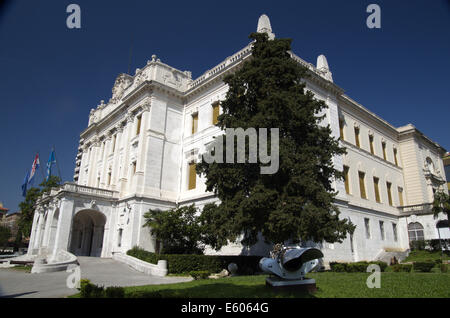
x,y
434,245
358,267
114,292
199,274
402,268
423,266
417,245
144,294
338,267
383,265
89,290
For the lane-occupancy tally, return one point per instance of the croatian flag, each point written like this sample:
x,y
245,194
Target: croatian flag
x,y
34,167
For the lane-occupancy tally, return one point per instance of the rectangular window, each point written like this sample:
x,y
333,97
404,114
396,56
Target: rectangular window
x,y
138,128
215,112
192,176
394,230
372,151
383,145
341,129
389,186
194,123
362,187
119,238
367,226
357,137
382,230
395,157
400,196
346,180
109,178
377,189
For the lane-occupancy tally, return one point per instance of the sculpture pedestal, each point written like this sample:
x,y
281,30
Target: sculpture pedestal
x,y
307,285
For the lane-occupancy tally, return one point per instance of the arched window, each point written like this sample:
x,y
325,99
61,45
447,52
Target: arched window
x,y
415,231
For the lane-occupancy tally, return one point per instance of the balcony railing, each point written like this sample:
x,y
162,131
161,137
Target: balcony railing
x,y
72,187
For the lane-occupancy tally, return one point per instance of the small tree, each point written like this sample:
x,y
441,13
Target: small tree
x,y
29,204
441,203
178,229
5,234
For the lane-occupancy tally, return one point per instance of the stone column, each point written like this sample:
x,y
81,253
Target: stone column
x,y
37,243
125,160
81,173
104,173
142,151
64,228
34,228
48,219
93,162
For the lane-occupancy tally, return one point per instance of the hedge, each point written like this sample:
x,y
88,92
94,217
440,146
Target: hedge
x,y
184,263
355,267
423,266
402,268
199,274
89,290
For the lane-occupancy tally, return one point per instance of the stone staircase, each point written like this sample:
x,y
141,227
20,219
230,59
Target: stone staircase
x,y
387,256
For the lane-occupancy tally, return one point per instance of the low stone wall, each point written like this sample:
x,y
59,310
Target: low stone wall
x,y
150,269
58,263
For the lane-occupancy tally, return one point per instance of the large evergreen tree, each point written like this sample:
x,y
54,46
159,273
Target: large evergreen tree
x,y
295,203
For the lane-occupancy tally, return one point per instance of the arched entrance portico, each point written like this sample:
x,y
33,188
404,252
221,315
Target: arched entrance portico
x,y
87,233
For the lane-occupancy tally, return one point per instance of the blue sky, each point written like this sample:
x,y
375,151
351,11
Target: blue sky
x,y
51,76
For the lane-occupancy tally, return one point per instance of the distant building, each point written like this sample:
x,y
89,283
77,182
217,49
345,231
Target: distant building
x,y
9,220
139,151
446,161
3,211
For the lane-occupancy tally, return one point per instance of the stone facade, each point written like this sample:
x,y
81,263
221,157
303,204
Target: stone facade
x,y
136,153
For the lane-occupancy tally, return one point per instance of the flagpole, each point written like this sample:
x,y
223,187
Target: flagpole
x,y
40,166
59,171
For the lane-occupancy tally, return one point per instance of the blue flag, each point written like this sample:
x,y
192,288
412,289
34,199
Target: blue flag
x,y
25,184
51,160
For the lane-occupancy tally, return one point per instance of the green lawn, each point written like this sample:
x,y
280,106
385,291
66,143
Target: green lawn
x,y
423,256
330,285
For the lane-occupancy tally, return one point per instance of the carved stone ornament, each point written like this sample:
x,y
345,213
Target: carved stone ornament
x,y
121,83
130,117
92,204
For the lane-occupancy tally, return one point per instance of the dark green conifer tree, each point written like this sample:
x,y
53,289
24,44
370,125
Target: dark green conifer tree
x,y
297,202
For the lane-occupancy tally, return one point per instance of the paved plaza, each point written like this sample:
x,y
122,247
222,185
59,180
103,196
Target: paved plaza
x,y
101,271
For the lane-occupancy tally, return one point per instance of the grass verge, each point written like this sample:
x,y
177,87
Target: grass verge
x,y
330,285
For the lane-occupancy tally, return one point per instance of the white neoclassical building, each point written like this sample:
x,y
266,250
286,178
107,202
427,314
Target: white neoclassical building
x,y
139,152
